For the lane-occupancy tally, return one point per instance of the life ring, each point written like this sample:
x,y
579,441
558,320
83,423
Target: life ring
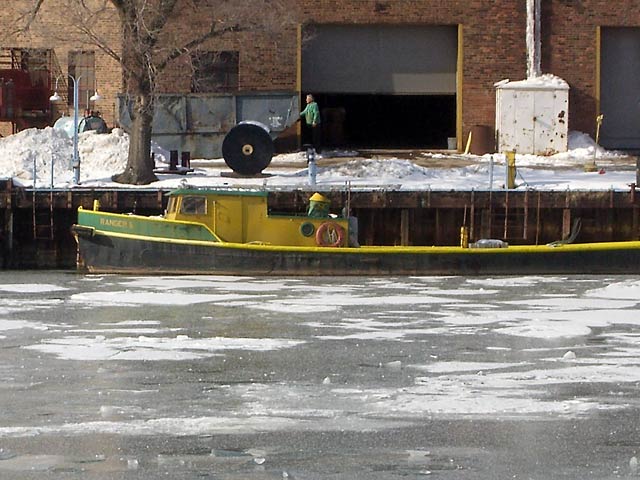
x,y
330,234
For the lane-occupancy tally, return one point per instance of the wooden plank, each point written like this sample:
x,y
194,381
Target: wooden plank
x,y
566,222
404,227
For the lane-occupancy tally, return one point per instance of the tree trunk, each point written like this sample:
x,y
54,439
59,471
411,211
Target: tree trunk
x,y
139,169
139,79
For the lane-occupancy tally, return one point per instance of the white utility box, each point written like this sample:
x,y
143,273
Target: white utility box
x,y
532,116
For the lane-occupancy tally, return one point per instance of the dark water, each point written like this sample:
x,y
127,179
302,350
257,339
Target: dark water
x,y
361,378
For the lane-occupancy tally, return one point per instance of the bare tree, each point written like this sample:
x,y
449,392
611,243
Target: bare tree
x,y
154,34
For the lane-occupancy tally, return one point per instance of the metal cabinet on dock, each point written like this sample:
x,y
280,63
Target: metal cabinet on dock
x,y
532,116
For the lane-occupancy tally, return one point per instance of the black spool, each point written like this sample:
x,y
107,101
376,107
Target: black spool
x,y
247,149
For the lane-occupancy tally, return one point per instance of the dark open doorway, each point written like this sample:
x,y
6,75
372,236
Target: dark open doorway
x,y
387,121
619,88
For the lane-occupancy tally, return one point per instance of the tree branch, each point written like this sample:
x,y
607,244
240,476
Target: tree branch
x,y
165,10
33,13
100,43
212,33
24,21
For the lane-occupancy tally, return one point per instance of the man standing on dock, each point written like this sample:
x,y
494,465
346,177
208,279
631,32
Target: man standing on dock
x,y
311,114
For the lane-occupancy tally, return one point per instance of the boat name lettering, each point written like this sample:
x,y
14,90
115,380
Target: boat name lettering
x,y
112,222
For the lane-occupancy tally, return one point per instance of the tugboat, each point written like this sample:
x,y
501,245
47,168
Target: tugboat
x,y
231,232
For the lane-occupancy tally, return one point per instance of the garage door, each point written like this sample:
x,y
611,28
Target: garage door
x,y
406,60
619,88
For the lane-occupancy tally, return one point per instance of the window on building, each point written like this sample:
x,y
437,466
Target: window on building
x,y
82,66
30,59
214,72
36,61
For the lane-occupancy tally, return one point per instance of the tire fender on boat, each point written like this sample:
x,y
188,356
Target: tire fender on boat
x,y
82,231
330,234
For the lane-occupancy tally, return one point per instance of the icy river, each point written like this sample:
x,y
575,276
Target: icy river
x,y
116,377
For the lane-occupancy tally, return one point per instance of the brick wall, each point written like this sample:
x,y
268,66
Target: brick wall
x,y
493,39
52,30
569,48
493,45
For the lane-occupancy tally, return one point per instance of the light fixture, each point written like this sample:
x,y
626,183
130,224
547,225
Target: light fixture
x,y
75,161
95,97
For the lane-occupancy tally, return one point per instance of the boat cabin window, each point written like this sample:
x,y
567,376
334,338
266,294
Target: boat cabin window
x,y
194,205
172,205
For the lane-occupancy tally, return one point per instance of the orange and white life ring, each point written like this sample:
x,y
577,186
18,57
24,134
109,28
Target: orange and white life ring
x,y
330,234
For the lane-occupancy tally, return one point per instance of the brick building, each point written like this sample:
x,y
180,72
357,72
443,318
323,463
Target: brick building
x,y
387,73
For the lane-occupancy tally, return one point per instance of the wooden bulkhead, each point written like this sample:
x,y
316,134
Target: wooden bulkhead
x,y
384,217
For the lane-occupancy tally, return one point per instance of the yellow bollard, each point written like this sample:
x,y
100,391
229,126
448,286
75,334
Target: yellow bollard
x,y
468,147
511,169
599,120
591,165
464,237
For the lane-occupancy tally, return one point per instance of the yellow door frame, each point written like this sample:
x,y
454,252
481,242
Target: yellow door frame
x,y
299,80
598,68
459,79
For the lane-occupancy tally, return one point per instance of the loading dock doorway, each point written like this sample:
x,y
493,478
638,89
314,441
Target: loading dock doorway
x,y
383,86
619,87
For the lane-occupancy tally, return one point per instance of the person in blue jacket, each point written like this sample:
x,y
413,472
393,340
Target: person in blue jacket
x,y
311,115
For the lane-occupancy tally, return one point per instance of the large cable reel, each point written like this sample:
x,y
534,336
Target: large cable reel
x,y
248,148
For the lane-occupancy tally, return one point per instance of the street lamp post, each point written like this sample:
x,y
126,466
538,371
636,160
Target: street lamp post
x,y
75,162
76,156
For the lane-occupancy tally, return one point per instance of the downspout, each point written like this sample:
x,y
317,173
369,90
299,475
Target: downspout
x,y
533,39
459,85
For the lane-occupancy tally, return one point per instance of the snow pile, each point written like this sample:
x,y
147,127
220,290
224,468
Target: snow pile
x,y
581,149
39,149
101,155
546,81
391,168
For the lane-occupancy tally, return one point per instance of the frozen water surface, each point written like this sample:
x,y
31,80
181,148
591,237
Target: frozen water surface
x,y
109,377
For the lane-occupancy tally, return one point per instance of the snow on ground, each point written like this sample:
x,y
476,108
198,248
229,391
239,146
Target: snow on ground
x,y
49,153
